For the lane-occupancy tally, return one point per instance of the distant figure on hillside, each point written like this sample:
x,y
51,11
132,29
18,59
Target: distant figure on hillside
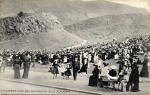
x,y
21,14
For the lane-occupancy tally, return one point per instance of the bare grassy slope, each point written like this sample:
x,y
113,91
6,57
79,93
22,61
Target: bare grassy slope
x,y
52,40
111,26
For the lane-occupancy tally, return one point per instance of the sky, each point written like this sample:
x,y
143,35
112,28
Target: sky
x,y
134,3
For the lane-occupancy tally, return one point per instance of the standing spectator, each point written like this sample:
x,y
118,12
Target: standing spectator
x,y
139,61
3,65
136,79
38,57
16,66
76,67
33,59
96,72
84,66
130,83
1,60
121,64
144,71
100,63
94,78
55,68
27,59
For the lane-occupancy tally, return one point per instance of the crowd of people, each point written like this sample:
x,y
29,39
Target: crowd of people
x,y
79,59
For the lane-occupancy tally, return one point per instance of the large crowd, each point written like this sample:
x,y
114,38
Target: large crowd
x,y
79,59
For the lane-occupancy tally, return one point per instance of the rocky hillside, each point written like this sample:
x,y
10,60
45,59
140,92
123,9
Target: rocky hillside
x,y
34,31
22,24
67,11
61,23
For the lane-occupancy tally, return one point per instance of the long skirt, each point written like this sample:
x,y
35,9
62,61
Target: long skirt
x,y
26,70
83,68
55,71
16,71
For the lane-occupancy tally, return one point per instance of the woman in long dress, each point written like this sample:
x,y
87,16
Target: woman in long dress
x,y
144,71
55,69
16,67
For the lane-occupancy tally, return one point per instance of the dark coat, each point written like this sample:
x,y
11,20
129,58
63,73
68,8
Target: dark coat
x,y
55,68
76,65
96,72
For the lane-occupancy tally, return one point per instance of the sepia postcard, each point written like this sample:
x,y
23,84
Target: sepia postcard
x,y
81,47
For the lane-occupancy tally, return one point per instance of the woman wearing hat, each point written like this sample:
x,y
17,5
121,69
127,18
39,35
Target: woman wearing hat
x,y
55,69
16,66
144,72
93,79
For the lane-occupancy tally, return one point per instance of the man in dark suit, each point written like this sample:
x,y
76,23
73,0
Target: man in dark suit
x,y
76,67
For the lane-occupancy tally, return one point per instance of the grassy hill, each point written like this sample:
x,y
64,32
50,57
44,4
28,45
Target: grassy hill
x,y
52,40
111,26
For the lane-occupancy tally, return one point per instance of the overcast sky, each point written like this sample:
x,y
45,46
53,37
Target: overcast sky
x,y
135,3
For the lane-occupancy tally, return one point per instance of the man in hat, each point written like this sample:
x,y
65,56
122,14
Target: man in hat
x,y
76,67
